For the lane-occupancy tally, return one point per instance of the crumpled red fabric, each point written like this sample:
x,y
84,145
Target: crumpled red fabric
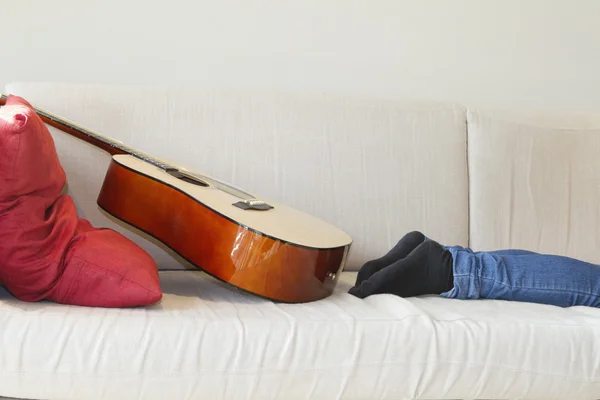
x,y
46,251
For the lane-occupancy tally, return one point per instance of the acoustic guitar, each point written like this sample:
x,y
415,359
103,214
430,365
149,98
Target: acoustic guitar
x,y
257,245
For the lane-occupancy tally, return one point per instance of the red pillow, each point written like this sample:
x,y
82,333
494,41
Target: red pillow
x,y
46,251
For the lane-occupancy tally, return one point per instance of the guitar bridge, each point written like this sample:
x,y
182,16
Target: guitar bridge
x,y
252,204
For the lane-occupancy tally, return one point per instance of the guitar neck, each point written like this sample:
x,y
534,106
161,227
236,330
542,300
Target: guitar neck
x,y
115,147
105,143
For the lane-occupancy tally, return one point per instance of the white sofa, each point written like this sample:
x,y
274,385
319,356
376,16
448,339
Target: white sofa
x,y
377,169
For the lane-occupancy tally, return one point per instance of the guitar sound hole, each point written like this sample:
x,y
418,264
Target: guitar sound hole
x,y
195,181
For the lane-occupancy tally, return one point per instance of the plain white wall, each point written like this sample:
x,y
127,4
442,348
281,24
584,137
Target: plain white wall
x,y
499,53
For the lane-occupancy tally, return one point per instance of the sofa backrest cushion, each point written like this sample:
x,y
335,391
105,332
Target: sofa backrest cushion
x,y
535,182
375,168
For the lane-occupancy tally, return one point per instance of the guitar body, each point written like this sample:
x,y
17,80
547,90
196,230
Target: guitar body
x,y
277,253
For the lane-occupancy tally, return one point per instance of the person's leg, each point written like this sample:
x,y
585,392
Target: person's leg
x,y
525,276
403,248
426,270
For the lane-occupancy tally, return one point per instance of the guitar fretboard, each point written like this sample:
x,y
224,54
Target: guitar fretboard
x,y
98,137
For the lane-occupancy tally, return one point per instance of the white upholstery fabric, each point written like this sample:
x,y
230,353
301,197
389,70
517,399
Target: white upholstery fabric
x,y
206,341
377,169
535,182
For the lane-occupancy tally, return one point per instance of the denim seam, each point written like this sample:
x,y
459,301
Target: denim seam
x,y
533,288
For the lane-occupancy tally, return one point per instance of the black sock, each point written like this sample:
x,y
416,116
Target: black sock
x,y
403,248
426,270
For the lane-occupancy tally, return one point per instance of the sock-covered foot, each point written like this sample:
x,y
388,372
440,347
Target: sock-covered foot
x,y
403,248
426,270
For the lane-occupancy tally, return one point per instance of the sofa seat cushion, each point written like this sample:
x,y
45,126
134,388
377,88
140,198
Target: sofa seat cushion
x,y
207,340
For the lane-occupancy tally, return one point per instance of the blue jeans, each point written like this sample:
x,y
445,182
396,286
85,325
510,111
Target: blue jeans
x,y
521,275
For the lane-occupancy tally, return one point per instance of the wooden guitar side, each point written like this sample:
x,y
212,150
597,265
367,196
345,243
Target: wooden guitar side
x,y
233,253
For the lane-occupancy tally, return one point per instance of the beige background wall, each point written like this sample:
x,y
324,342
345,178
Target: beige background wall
x,y
500,53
